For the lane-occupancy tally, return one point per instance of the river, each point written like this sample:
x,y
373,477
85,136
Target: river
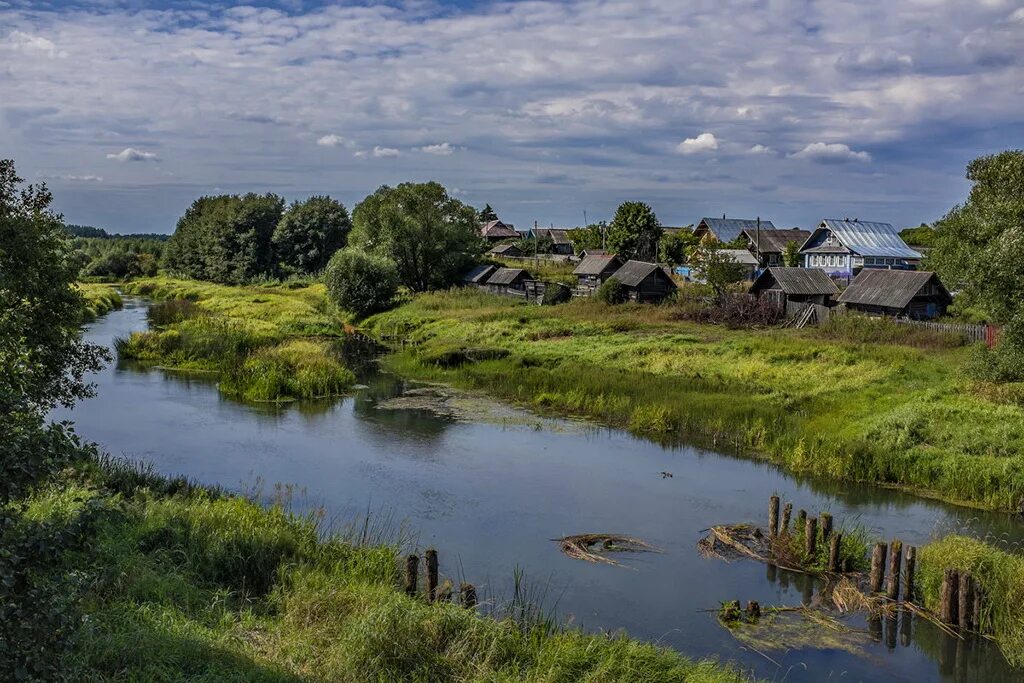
x,y
491,494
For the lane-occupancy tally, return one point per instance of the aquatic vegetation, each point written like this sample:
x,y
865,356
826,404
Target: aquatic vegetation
x,y
99,299
293,369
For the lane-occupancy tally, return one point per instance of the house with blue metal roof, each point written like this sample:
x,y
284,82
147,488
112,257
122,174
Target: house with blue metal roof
x,y
842,248
727,230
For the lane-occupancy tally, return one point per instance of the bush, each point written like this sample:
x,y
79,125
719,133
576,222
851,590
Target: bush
x,y
1004,363
611,291
361,283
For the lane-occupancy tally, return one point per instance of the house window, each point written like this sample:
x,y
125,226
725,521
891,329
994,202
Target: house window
x,y
831,260
890,261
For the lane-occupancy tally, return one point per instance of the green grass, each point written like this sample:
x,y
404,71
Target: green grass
x,y
200,586
887,413
1000,573
99,299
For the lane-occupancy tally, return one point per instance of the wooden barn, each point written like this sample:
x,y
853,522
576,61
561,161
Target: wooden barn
x,y
496,231
797,285
917,294
478,275
508,281
506,250
595,269
644,282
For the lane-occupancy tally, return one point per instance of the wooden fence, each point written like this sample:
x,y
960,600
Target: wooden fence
x,y
982,333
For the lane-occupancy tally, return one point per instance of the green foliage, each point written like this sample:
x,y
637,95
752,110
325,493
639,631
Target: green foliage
x,y
864,329
535,245
226,238
431,237
360,282
634,232
590,237
791,255
487,214
921,236
611,291
674,248
718,269
289,371
309,233
99,299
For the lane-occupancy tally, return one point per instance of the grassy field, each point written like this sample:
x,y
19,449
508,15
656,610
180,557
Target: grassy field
x,y
822,403
169,582
99,299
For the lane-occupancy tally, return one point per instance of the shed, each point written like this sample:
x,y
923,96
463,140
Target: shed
x,y
799,285
771,244
727,230
644,282
508,280
507,250
478,275
595,269
917,294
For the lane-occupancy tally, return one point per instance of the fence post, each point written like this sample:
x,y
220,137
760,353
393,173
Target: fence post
x,y
949,598
431,574
468,591
787,512
877,567
966,601
773,516
895,560
835,544
825,521
908,578
811,537
411,570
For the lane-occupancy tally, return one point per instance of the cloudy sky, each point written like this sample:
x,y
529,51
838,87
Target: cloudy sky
x,y
789,109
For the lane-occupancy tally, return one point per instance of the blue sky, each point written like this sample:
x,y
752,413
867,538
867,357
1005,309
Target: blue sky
x,y
793,110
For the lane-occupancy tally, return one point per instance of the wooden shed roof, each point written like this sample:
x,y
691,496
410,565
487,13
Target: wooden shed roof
x,y
595,264
632,273
796,281
506,276
479,274
775,241
497,229
889,288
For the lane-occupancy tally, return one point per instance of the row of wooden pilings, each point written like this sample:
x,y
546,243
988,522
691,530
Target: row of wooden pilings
x,y
467,591
960,598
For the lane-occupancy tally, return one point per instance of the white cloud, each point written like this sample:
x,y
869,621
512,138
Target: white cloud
x,y
385,152
132,154
331,140
444,149
705,142
31,43
70,177
761,149
831,153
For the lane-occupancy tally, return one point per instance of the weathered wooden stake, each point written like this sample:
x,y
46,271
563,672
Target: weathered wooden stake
x,y
891,627
773,516
948,598
833,552
825,522
966,605
468,591
908,578
787,512
431,574
811,536
877,567
976,607
892,588
412,564
753,610
801,520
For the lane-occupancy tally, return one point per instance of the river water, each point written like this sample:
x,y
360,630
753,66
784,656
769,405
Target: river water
x,y
491,494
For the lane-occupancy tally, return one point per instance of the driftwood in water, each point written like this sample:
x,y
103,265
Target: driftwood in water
x,y
592,547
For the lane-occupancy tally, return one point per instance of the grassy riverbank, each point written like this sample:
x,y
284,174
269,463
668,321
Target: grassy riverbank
x,y
814,402
99,299
161,581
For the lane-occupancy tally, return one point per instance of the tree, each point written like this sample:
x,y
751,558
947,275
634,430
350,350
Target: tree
x,y
634,233
611,291
921,236
488,214
791,256
226,238
309,233
715,267
675,246
590,237
361,283
978,248
431,237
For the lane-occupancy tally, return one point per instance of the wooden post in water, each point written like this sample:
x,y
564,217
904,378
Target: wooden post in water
x,y
877,567
835,544
468,592
773,516
825,522
966,606
787,512
753,610
431,574
801,521
412,564
811,537
976,607
892,588
948,598
908,578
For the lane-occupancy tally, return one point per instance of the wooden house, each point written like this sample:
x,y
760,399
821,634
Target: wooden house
x,y
592,252
595,269
917,294
560,242
727,230
496,231
506,250
842,248
745,259
797,285
508,281
644,282
478,275
769,246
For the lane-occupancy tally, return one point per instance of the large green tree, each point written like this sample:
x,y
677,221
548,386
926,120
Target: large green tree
x,y
309,233
715,267
675,247
226,238
590,237
360,282
635,232
431,237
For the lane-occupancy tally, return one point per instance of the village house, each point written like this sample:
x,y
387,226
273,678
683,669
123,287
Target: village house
x,y
592,252
745,259
508,281
842,248
727,230
595,269
770,245
917,294
644,282
797,285
496,231
560,242
478,275
508,250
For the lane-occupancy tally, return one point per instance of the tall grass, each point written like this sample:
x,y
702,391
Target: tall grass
x,y
294,369
99,300
863,329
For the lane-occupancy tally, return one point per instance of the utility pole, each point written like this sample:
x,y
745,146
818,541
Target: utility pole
x,y
757,245
536,246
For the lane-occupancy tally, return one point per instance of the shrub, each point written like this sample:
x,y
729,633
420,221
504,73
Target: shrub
x,y
361,283
612,291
